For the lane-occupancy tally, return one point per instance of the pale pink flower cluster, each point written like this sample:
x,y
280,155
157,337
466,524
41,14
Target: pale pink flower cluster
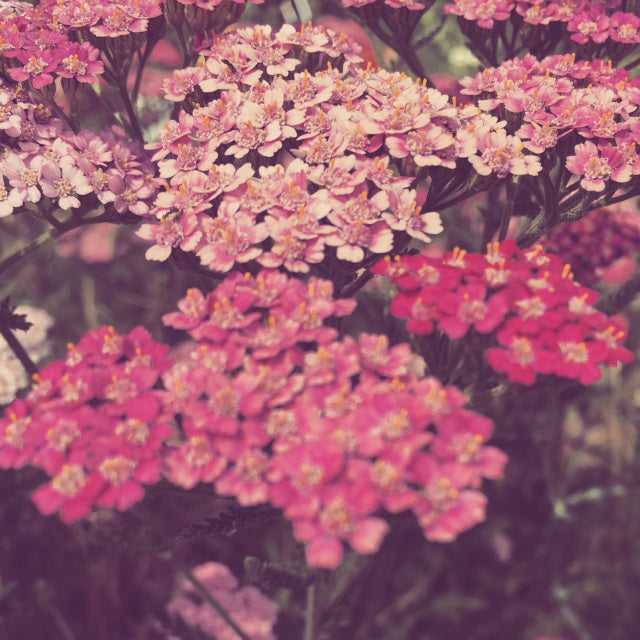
x,y
589,106
210,5
98,18
484,12
268,406
586,20
40,43
252,611
44,158
280,166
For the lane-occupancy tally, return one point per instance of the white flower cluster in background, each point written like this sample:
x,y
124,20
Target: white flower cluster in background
x,y
13,377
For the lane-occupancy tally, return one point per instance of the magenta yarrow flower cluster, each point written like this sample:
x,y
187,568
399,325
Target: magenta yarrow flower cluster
x,y
544,321
586,20
271,407
590,106
64,39
94,423
355,135
252,611
601,246
36,44
43,157
331,433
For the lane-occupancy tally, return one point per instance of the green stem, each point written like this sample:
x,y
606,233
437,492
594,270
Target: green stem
x,y
538,227
424,41
30,248
550,195
51,234
143,58
136,129
632,64
507,211
620,299
465,195
310,614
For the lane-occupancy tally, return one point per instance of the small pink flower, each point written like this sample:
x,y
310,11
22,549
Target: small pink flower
x,y
598,164
502,154
38,68
65,184
591,24
81,63
170,234
71,491
624,27
197,460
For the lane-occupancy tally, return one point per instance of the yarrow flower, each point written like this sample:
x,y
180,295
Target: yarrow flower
x,y
354,134
43,157
267,405
585,106
543,320
585,21
94,424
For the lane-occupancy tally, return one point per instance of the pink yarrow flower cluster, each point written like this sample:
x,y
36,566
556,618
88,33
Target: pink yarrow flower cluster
x,y
275,409
544,322
355,134
483,12
40,43
94,423
587,20
44,158
590,106
36,47
252,612
267,406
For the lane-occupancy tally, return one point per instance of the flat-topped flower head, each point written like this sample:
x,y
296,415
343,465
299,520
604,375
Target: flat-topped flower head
x,y
541,318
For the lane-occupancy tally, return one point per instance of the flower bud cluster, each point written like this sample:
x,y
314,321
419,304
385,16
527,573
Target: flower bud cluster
x,y
544,321
602,246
